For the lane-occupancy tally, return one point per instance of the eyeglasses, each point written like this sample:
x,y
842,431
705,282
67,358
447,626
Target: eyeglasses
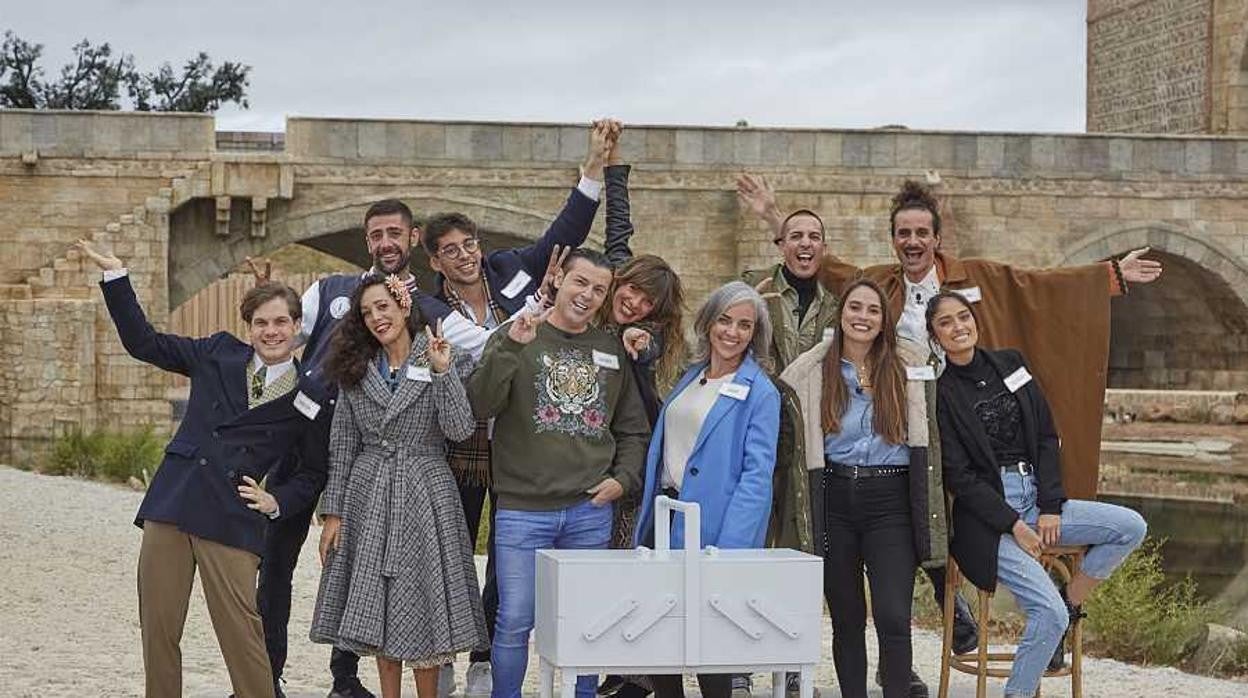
x,y
454,251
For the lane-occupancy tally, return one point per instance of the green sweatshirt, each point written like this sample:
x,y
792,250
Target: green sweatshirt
x,y
567,414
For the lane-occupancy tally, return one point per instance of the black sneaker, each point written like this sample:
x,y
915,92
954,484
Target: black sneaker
x,y
793,686
631,689
965,632
350,688
1058,661
742,686
918,689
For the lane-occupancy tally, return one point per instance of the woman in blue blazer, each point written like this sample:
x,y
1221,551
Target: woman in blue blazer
x,y
715,439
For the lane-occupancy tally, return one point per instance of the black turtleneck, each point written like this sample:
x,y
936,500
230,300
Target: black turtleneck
x,y
997,408
806,289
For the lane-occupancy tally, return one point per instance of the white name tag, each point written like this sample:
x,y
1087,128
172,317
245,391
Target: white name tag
x,y
306,405
1017,379
736,391
517,284
419,373
828,333
920,373
972,294
606,360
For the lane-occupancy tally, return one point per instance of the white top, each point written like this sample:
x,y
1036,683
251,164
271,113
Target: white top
x,y
912,324
274,371
683,422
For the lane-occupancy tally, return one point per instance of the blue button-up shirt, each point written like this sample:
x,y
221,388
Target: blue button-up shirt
x,y
857,443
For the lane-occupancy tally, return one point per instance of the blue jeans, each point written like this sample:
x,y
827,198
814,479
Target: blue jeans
x,y
518,536
1111,531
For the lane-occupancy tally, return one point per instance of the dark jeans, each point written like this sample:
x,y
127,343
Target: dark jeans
x,y
473,499
867,521
711,685
283,541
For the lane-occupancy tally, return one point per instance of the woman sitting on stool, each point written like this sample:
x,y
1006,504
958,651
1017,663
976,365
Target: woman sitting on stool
x,y
1000,453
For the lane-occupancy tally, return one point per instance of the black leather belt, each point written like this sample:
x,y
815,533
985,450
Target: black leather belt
x,y
1021,467
854,472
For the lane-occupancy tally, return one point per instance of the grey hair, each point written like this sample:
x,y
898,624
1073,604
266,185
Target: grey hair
x,y
720,300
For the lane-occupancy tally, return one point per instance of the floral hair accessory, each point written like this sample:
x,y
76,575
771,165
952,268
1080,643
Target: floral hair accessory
x,y
398,289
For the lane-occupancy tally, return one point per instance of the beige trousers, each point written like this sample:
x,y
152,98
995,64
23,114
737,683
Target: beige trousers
x,y
167,561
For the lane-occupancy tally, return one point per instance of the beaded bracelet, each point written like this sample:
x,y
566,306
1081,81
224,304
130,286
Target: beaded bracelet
x,y
1122,283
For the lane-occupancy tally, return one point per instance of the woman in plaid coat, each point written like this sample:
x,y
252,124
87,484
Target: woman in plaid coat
x,y
398,580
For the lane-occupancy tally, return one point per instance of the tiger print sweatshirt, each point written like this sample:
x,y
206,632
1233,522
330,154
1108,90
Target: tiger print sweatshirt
x,y
567,415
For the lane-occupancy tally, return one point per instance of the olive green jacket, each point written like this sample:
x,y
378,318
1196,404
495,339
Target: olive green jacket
x,y
789,338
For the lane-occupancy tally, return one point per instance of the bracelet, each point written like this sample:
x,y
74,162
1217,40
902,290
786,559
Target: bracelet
x,y
1122,283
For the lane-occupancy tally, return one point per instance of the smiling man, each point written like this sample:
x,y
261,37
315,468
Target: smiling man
x,y
204,509
570,437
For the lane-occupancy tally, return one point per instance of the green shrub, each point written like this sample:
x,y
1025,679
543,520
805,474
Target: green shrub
x,y
1137,616
104,455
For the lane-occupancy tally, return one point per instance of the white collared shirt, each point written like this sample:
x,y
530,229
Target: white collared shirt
x,y
913,323
274,371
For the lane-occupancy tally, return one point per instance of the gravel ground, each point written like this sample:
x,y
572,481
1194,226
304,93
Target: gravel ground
x,y
69,624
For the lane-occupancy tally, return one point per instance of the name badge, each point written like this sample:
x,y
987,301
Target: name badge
x,y
828,333
517,284
920,373
972,294
1017,379
306,405
736,391
419,373
605,360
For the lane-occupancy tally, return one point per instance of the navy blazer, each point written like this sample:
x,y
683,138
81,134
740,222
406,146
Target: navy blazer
x,y
981,515
220,440
514,273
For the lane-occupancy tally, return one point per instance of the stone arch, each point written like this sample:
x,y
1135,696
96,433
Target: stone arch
x,y
198,257
1189,330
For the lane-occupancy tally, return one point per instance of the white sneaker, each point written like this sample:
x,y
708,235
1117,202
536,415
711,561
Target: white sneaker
x,y
446,681
479,681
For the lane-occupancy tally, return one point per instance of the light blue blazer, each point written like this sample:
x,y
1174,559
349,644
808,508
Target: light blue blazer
x,y
729,470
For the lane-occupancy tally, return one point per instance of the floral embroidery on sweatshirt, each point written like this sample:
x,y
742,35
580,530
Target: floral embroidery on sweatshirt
x,y
571,397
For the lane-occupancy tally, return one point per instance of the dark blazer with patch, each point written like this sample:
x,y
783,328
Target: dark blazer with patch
x,y
972,476
514,273
220,440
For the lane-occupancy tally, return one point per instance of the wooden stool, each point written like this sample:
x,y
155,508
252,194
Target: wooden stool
x,y
1066,560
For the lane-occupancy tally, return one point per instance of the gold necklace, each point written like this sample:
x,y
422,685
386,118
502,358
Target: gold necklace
x,y
864,375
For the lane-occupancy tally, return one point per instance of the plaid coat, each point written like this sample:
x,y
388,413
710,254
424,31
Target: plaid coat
x,y
402,583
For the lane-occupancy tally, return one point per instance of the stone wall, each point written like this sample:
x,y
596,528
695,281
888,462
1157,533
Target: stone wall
x,y
183,216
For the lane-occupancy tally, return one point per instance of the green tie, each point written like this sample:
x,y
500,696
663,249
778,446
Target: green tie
x,y
257,383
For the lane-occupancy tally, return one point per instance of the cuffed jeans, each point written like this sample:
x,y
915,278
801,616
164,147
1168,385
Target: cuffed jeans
x,y
520,534
1111,531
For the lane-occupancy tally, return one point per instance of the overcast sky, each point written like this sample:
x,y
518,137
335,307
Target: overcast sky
x,y
1011,65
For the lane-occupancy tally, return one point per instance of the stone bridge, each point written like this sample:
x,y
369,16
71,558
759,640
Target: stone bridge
x,y
183,205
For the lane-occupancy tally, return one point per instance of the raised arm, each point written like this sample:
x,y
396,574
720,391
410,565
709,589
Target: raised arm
x,y
571,226
619,220
166,351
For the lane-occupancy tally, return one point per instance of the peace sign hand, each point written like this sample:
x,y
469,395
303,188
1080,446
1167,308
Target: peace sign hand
x,y
524,328
1139,271
439,350
106,262
546,289
263,276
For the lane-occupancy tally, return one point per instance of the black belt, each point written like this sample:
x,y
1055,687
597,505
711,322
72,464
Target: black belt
x,y
854,472
1021,467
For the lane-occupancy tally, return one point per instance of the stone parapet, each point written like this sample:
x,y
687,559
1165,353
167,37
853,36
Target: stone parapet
x,y
55,133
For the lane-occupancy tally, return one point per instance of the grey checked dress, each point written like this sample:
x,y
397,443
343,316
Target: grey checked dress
x,y
402,583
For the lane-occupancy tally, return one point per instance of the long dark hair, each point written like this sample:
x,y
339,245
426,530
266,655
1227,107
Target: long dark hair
x,y
352,346
887,379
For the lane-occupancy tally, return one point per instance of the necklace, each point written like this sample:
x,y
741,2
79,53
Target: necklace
x,y
864,375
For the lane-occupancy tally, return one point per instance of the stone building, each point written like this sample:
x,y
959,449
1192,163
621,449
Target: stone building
x,y
183,205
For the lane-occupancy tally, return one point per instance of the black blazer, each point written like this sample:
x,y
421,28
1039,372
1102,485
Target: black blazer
x,y
220,440
972,476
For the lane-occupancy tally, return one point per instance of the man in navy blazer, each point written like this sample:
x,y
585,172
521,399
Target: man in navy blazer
x,y
249,406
